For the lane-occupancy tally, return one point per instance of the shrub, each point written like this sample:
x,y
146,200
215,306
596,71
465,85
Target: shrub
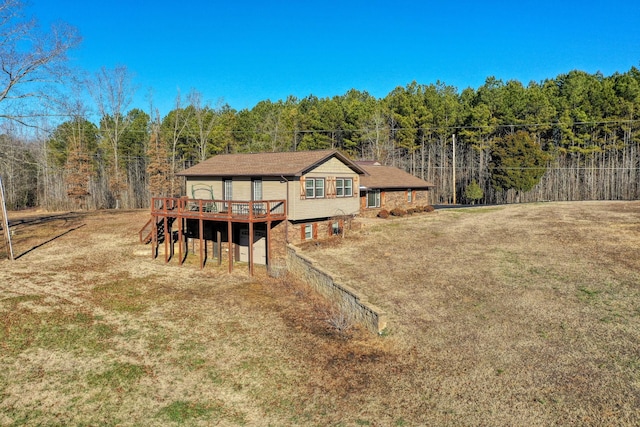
x,y
428,208
473,192
398,212
339,321
383,214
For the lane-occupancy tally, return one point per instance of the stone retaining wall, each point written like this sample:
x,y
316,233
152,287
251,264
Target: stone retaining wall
x,y
348,299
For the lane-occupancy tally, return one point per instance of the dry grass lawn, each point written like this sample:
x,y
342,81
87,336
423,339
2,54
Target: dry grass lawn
x,y
523,315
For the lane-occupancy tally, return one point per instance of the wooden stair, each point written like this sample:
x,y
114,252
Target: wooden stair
x,y
146,232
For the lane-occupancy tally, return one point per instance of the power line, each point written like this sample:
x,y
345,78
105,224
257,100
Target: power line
x,y
436,128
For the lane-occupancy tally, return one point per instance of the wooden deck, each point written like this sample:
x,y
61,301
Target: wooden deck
x,y
165,211
220,210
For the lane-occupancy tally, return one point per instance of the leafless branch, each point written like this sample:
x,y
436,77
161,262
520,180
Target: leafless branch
x,y
30,60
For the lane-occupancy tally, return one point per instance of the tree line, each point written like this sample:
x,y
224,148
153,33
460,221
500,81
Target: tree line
x,y
570,137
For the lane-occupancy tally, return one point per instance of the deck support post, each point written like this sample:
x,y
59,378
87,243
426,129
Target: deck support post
x,y
201,248
166,237
154,236
268,243
219,241
230,244
250,248
180,225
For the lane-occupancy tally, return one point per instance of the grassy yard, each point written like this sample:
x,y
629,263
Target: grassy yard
x,y
507,316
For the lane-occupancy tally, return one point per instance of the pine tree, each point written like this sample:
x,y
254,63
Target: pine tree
x,y
159,167
78,173
473,192
517,162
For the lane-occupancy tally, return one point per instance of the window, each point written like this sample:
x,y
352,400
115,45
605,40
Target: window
x,y
373,198
309,187
308,231
344,187
409,196
256,193
228,189
335,228
227,193
314,188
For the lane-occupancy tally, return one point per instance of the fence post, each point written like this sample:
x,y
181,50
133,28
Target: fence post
x,y
5,222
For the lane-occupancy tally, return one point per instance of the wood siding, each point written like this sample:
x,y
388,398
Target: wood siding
x,y
272,188
299,207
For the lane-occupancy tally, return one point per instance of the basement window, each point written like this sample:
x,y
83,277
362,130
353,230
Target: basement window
x,y
308,231
335,228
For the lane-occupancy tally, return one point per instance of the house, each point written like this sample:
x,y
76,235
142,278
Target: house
x,y
271,199
316,185
387,187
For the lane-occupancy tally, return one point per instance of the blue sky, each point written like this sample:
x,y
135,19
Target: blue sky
x,y
243,52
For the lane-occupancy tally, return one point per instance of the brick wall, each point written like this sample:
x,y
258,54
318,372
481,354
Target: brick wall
x,y
390,199
320,229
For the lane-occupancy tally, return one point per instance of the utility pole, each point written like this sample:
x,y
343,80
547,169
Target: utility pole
x,y
5,222
454,169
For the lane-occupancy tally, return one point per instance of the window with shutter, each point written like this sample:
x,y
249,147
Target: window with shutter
x,y
314,188
344,187
307,232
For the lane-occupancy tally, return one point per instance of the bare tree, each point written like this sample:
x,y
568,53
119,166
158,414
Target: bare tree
x,y
376,144
31,61
113,92
177,122
158,167
19,169
205,121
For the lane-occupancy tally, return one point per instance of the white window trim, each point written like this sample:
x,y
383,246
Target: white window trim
x,y
256,189
227,189
376,194
312,184
343,187
335,228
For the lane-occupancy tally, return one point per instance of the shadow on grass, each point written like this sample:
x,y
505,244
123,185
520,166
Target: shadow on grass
x,y
48,241
43,219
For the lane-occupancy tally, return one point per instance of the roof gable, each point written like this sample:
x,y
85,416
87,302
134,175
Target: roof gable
x,y
291,163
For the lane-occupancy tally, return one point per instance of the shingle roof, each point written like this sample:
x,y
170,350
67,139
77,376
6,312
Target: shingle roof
x,y
379,176
293,163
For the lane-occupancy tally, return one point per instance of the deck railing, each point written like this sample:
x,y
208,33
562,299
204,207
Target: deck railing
x,y
258,210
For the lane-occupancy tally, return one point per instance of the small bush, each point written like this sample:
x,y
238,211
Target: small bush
x,y
418,209
339,321
428,208
398,212
383,214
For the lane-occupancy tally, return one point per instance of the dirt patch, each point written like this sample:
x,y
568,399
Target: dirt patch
x,y
515,315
